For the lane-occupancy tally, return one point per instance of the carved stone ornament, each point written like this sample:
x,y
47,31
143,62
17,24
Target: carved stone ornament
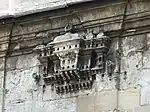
x,y
71,62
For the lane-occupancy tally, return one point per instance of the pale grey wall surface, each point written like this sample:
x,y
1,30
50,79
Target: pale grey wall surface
x,y
22,93
23,7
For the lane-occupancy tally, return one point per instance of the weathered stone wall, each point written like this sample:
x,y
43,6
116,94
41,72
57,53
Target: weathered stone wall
x,y
23,95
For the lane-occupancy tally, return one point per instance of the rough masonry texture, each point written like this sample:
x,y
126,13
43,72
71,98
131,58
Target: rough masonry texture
x,y
123,85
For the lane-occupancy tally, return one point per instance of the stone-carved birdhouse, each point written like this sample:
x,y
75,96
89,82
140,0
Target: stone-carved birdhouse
x,y
70,62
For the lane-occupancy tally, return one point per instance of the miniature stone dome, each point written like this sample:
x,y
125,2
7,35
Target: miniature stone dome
x,y
66,37
102,35
40,47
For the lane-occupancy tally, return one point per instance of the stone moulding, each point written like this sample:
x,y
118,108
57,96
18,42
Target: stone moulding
x,y
71,62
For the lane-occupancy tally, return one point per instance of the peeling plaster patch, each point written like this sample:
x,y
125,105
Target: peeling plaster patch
x,y
18,83
26,61
133,73
134,60
132,45
62,105
104,83
11,62
19,107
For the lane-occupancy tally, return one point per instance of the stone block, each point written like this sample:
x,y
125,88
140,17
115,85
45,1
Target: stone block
x,y
85,103
142,108
105,101
102,101
128,99
109,100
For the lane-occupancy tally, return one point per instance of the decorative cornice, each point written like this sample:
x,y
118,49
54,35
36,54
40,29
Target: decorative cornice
x,y
110,25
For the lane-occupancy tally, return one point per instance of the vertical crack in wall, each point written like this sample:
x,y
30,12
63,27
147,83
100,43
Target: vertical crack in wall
x,y
5,68
119,52
119,46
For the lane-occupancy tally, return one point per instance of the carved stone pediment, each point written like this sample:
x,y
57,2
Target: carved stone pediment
x,y
72,62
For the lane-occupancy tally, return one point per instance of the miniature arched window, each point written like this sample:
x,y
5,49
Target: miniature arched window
x,y
76,45
50,66
93,58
